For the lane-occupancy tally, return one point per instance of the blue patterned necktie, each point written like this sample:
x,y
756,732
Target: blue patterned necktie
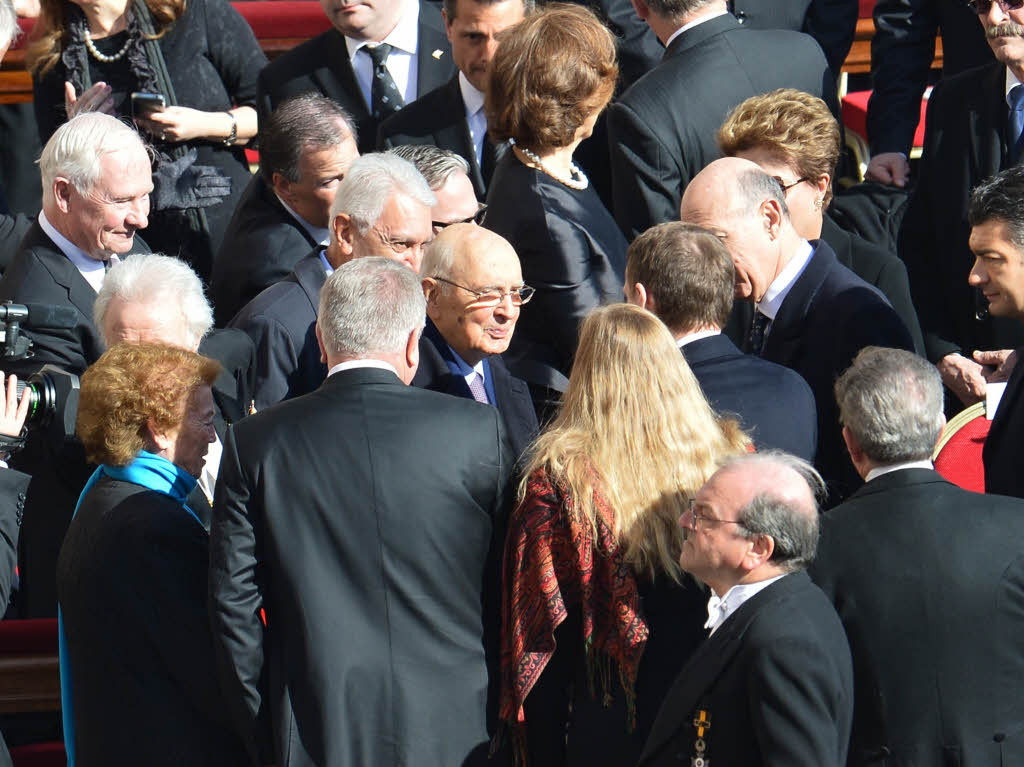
x,y
1015,138
757,330
385,99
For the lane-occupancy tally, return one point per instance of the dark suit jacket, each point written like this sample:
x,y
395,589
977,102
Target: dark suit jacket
x,y
902,50
662,131
322,65
775,682
132,584
13,485
262,244
964,144
511,395
571,251
12,229
1002,454
774,404
281,321
390,554
916,599
828,316
439,118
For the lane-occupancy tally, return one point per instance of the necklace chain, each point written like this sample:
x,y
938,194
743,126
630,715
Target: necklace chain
x,y
578,181
96,54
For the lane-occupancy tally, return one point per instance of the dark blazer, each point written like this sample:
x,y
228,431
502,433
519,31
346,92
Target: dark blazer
x,y
775,406
775,682
261,246
571,251
12,229
1002,455
132,585
322,65
902,50
916,600
828,316
234,387
281,321
439,118
511,394
13,485
662,130
964,144
390,553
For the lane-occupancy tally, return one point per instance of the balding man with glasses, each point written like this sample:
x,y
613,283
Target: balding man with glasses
x,y
474,288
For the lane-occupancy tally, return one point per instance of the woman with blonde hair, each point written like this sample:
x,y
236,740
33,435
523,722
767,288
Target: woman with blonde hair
x,y
592,590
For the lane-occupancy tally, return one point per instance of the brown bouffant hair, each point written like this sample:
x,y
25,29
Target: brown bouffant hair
x,y
687,271
795,127
50,33
128,386
550,72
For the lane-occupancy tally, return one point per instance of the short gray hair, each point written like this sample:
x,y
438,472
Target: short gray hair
x,y
753,187
370,306
157,280
371,181
892,402
307,123
76,147
436,165
9,29
793,529
438,259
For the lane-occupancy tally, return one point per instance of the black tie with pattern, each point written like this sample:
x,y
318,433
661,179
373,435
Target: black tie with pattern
x,y
757,331
385,99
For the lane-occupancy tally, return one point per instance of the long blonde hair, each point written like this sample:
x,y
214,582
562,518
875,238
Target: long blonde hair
x,y
635,427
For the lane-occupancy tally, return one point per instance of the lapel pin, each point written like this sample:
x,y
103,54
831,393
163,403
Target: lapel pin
x,y
437,54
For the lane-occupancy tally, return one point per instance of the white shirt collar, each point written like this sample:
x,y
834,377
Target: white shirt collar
x,y
689,338
404,36
352,364
320,235
328,269
878,471
694,23
208,476
719,609
773,298
90,268
1011,83
471,97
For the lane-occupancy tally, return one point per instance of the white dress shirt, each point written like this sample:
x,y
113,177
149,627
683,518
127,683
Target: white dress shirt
x,y
402,65
476,118
719,609
94,271
689,338
352,364
771,302
878,471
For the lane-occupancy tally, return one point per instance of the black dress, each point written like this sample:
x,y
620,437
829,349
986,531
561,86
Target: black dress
x,y
213,60
571,251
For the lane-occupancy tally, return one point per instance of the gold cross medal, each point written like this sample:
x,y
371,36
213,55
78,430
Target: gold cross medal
x,y
701,722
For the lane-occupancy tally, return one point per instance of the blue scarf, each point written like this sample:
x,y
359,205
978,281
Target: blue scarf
x,y
152,472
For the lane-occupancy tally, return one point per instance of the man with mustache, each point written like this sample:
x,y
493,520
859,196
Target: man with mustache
x,y
974,130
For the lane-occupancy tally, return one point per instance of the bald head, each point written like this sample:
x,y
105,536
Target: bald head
x,y
738,201
465,268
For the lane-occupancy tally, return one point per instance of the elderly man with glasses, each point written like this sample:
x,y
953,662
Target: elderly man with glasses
x,y
474,289
773,683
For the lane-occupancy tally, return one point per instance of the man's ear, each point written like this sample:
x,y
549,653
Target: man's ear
x,y
771,214
62,194
852,446
343,231
320,343
761,549
412,352
282,186
642,10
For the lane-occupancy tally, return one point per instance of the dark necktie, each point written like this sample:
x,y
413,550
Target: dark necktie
x,y
385,99
490,156
1015,137
757,330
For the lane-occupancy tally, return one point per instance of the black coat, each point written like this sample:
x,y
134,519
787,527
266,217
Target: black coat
x,y
775,406
828,316
376,573
12,229
131,579
322,65
775,682
13,485
902,50
662,131
570,250
512,396
964,144
1002,455
281,321
261,246
929,597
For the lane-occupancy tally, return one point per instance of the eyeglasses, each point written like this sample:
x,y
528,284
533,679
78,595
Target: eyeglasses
x,y
476,218
493,296
786,187
708,521
982,7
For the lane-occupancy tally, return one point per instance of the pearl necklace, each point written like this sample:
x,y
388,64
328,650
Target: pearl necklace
x,y
102,56
579,180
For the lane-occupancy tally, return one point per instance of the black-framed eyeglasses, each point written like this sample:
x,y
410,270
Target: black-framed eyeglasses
x,y
493,296
691,508
476,218
786,187
982,7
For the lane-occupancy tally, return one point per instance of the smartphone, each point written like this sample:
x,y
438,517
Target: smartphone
x,y
147,103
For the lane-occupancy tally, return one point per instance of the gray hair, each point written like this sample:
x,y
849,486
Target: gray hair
x,y
436,165
753,187
439,259
370,306
75,149
9,29
371,181
306,123
892,402
157,280
793,528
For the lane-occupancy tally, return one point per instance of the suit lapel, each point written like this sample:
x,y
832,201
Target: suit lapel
x,y
338,80
433,53
455,134
309,273
786,331
986,118
66,274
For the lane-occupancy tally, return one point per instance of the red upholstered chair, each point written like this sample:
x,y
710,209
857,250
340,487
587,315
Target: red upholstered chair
x,y
957,457
30,682
40,755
